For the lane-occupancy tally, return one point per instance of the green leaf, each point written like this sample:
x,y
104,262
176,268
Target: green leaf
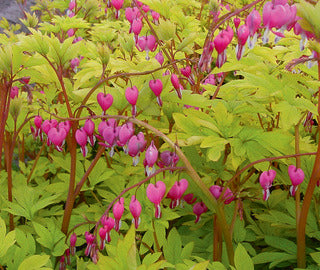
x,y
218,266
281,243
34,262
316,257
242,259
186,41
6,240
151,258
266,257
172,247
166,30
201,266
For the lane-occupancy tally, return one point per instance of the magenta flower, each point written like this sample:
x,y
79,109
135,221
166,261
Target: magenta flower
x,y
90,239
176,192
108,223
57,137
221,42
243,34
151,158
118,210
135,210
147,44
136,145
81,138
296,176
236,22
189,198
110,135
253,22
132,94
198,209
126,131
156,86
38,124
266,179
155,194
105,101
73,240
14,93
89,129
159,57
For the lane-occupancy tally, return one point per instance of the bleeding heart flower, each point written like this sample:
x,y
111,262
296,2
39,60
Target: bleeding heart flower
x,y
14,92
145,8
253,22
81,138
110,135
151,158
189,198
155,17
168,159
73,241
159,57
155,194
176,192
90,239
136,27
243,34
136,145
147,43
236,22
126,131
266,179
105,101
57,137
117,4
221,42
118,210
198,209
296,176
89,129
135,210
38,123
132,94
156,87
65,125
108,224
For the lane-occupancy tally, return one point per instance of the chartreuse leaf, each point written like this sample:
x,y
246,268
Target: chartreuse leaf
x,y
124,256
316,257
6,240
172,247
35,262
310,19
50,237
242,259
151,258
166,30
201,266
217,266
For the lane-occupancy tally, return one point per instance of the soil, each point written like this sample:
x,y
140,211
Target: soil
x,y
10,10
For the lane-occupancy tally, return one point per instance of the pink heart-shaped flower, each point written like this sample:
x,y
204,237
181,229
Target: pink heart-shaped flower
x,y
296,175
105,101
156,192
156,86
